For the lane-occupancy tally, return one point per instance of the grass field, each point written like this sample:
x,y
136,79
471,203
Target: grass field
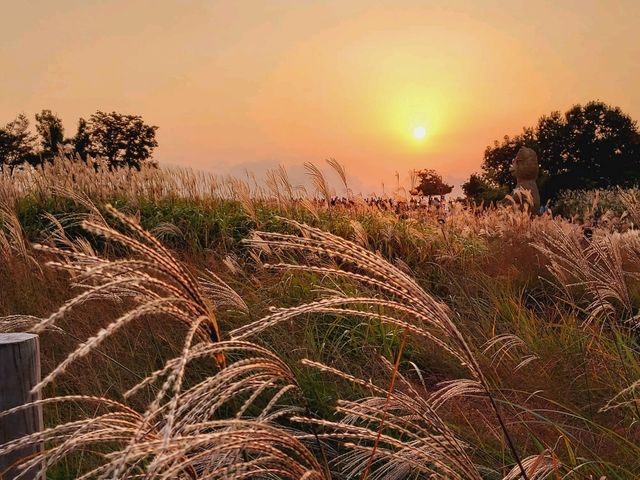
x,y
243,330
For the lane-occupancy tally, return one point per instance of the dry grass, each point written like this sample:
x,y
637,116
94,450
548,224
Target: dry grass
x,y
530,372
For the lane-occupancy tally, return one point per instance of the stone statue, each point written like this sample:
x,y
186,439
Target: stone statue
x,y
525,169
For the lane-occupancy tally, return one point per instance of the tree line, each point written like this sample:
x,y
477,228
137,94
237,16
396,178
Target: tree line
x,y
588,147
122,140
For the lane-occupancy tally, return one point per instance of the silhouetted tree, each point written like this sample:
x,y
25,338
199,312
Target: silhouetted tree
x,y
430,184
17,144
81,140
479,189
497,159
590,146
49,127
124,140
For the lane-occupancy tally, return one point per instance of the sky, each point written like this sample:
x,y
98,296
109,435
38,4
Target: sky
x,y
247,85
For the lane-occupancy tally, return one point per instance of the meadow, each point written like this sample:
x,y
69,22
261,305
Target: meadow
x,y
194,326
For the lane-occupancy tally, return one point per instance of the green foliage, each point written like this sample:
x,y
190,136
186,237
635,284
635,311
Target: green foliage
x,y
590,146
481,190
430,183
124,140
16,144
81,140
51,131
585,205
498,159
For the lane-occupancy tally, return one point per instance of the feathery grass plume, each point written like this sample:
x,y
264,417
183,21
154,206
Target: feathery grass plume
x,y
256,381
154,280
283,176
12,238
339,169
272,182
505,346
539,467
55,234
21,323
95,180
221,293
184,436
5,245
117,423
310,207
414,440
629,199
319,182
242,192
597,268
399,296
627,397
413,179
360,234
179,435
166,230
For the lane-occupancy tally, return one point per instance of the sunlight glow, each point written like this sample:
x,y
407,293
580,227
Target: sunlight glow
x,y
419,132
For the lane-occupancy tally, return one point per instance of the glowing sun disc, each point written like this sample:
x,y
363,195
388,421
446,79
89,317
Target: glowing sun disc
x,y
419,132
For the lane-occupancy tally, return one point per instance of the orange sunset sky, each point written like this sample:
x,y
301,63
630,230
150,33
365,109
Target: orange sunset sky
x,y
250,84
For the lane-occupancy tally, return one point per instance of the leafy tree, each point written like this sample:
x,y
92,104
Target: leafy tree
x,y
51,131
497,159
479,189
430,183
81,140
17,144
590,146
124,140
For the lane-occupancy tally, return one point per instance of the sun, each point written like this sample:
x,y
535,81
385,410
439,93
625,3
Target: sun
x,y
419,132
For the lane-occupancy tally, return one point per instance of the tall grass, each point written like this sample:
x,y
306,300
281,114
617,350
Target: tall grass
x,y
331,342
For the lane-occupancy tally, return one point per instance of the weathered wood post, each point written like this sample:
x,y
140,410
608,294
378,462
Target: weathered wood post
x,y
19,373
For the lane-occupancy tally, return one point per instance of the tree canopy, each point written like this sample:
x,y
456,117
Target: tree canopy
x,y
81,140
49,127
16,144
480,189
123,140
590,146
430,183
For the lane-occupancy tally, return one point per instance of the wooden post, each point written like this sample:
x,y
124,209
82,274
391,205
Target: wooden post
x,y
19,373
